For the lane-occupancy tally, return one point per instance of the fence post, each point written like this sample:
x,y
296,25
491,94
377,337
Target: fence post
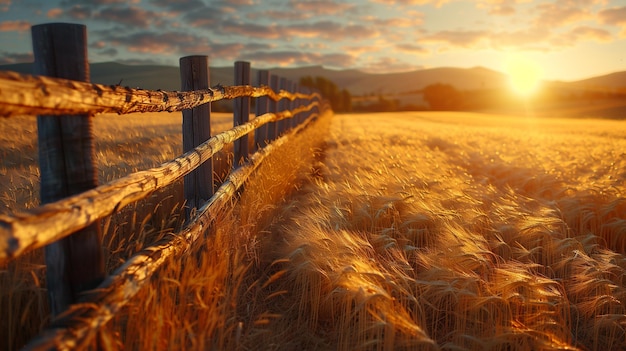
x,y
241,108
198,185
300,103
67,165
283,105
304,102
262,107
294,104
272,129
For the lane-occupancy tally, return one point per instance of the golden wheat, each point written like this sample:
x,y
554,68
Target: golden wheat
x,y
454,231
414,231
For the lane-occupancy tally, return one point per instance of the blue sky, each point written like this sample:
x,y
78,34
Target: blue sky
x,y
567,39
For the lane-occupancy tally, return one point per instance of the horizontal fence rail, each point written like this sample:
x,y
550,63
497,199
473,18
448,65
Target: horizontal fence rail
x,y
22,94
28,230
282,111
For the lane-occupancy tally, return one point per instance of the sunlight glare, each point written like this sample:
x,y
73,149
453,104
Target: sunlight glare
x,y
524,75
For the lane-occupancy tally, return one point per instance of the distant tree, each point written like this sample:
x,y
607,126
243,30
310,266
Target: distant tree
x,y
443,97
340,100
380,105
346,101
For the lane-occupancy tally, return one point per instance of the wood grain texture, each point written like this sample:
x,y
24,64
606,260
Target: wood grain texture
x,y
272,128
198,185
261,107
241,112
67,165
23,94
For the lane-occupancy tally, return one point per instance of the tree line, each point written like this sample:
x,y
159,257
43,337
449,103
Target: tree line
x,y
340,99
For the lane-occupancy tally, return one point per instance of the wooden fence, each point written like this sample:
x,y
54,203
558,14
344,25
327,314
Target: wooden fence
x,y
66,223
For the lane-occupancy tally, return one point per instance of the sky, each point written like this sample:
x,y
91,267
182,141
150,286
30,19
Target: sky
x,y
564,39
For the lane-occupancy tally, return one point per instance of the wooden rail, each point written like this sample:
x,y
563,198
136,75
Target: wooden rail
x,y
28,230
22,94
59,219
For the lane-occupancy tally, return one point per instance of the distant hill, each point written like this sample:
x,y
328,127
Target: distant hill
x,y
357,82
611,81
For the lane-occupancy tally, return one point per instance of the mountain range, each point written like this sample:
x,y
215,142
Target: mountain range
x,y
357,82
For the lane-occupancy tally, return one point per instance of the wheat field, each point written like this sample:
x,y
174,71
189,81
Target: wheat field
x,y
453,231
403,231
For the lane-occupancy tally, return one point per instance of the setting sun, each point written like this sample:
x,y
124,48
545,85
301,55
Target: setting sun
x,y
524,75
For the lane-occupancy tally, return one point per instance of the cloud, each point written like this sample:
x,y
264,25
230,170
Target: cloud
x,y
332,31
327,30
282,15
411,48
98,44
9,57
252,30
615,16
5,5
310,45
582,33
320,7
55,12
295,10
437,3
293,57
129,16
532,38
500,7
205,17
413,20
171,43
14,26
362,50
79,12
239,2
458,38
562,12
181,6
96,3
136,61
111,52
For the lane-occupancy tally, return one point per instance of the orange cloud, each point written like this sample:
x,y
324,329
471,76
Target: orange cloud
x,y
55,12
460,38
14,26
437,3
410,48
615,16
561,13
320,7
291,57
500,7
590,33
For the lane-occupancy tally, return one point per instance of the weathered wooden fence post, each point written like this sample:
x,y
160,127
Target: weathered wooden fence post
x,y
294,104
305,115
198,185
67,165
262,107
272,129
283,105
241,109
303,102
